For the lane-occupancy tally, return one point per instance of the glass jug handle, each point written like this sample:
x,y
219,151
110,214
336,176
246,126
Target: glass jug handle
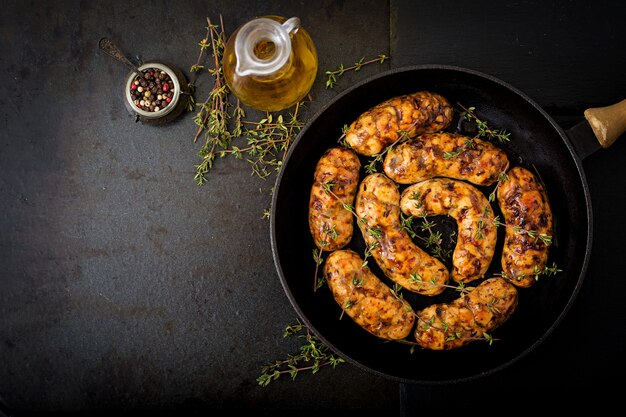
x,y
291,25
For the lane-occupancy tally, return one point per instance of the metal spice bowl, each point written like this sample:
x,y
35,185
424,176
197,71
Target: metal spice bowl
x,y
175,107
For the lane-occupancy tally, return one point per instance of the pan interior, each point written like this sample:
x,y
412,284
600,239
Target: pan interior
x,y
536,142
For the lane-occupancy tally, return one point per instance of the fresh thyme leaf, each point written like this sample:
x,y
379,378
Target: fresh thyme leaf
x,y
312,356
328,231
415,278
547,271
480,229
371,166
484,130
468,144
331,76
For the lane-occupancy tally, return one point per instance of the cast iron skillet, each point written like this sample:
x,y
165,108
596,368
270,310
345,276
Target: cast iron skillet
x,y
537,142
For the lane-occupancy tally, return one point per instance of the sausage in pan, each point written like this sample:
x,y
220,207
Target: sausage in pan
x,y
365,298
400,259
335,183
413,114
445,155
468,318
529,226
476,237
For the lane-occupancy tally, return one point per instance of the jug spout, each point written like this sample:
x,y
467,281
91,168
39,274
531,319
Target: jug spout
x,y
263,46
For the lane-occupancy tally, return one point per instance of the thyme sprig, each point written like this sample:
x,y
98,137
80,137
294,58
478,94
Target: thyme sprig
x,y
484,130
328,232
433,241
267,141
544,238
467,144
319,260
449,337
502,177
331,76
213,116
204,44
372,165
312,356
537,272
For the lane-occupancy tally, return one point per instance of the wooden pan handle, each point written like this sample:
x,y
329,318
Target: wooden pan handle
x,y
608,123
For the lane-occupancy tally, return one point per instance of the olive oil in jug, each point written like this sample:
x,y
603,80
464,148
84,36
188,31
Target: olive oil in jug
x,y
270,63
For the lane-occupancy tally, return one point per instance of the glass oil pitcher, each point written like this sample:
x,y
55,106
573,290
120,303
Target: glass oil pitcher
x,y
270,63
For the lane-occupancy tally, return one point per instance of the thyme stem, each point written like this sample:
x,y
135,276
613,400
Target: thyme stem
x,y
331,76
311,351
484,130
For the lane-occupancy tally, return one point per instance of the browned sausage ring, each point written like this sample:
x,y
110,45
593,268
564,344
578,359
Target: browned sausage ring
x,y
364,297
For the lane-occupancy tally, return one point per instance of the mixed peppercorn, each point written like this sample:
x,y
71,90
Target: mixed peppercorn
x,y
152,90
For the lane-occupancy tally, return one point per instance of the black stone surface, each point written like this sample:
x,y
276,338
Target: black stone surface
x,y
126,288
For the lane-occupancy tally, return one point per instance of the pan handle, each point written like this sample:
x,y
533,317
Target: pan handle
x,y
608,123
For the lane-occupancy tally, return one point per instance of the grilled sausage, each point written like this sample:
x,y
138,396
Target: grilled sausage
x,y
445,155
525,208
378,212
365,298
468,318
335,182
477,235
383,124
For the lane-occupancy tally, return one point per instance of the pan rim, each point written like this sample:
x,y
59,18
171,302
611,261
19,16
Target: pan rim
x,y
585,194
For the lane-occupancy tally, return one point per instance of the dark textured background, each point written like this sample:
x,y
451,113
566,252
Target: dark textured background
x,y
124,286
